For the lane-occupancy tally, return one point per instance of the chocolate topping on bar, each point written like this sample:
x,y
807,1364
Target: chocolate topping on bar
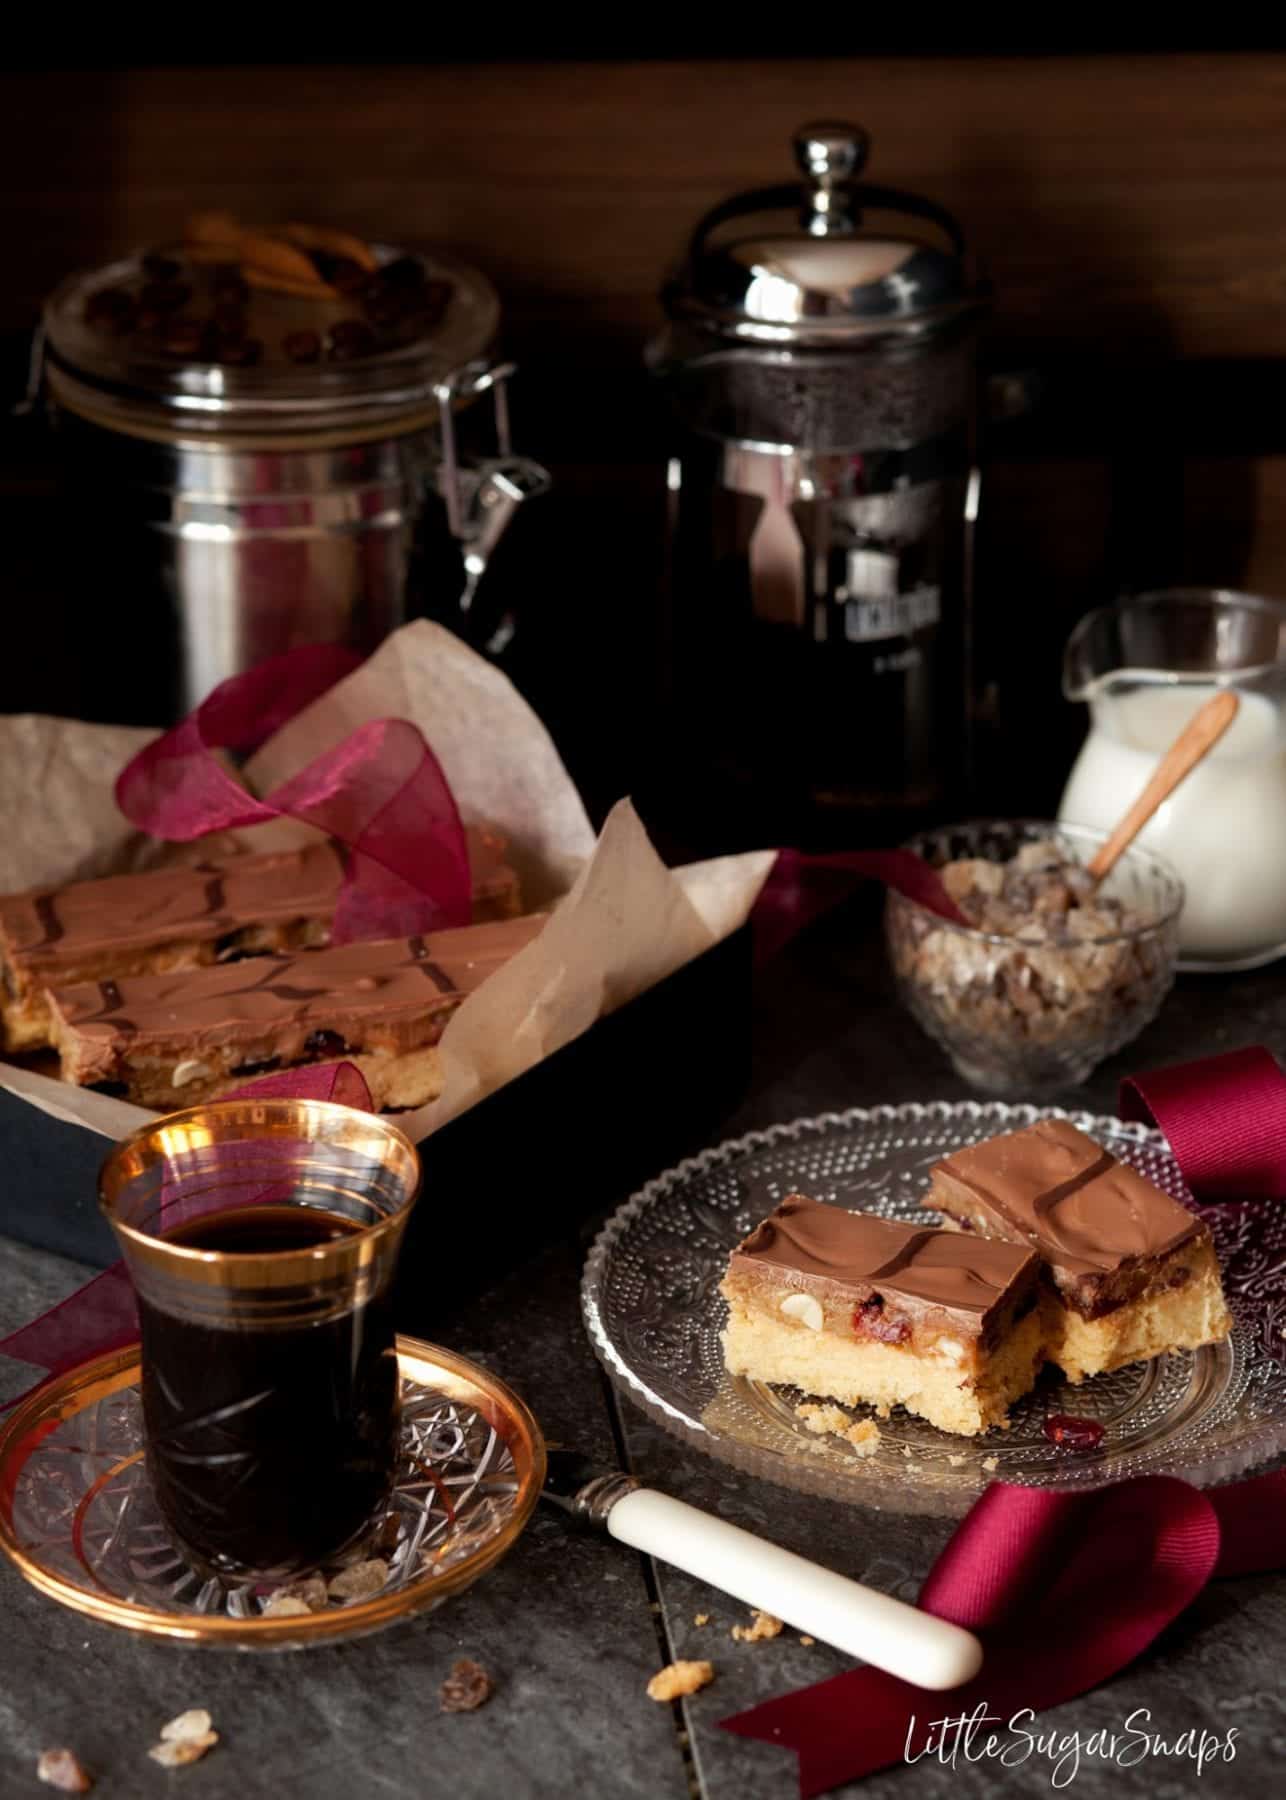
x,y
1052,1187
63,925
962,1276
46,930
383,992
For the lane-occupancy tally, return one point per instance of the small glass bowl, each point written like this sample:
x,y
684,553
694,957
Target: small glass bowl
x,y
1027,1019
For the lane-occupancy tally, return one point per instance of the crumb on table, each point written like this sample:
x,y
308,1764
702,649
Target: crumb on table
x,y
701,1619
762,1626
805,1639
185,1739
63,1769
679,1678
466,1687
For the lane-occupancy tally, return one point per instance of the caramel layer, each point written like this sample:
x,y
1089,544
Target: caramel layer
x,y
954,1277
1051,1187
387,995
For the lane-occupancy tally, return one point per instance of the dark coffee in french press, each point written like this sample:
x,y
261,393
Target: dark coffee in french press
x,y
821,377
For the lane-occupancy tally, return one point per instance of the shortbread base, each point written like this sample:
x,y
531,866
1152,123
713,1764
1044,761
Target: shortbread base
x,y
884,1375
397,1083
1182,1318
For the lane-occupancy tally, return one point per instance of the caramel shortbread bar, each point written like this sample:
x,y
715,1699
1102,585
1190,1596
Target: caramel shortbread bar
x,y
167,1041
853,1308
184,918
1130,1273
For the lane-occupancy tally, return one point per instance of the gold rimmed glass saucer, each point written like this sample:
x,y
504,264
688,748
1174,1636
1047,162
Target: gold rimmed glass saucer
x,y
78,1518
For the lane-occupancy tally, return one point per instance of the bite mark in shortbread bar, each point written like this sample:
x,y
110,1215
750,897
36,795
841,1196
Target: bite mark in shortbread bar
x,y
854,1308
173,1040
1130,1273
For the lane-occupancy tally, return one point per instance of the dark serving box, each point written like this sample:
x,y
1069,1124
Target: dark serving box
x,y
642,1087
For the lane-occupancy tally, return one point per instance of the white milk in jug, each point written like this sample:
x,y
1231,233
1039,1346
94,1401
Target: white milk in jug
x,y
1223,829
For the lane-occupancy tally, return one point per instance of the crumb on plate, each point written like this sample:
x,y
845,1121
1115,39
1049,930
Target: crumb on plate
x,y
285,1606
360,1581
822,1420
831,1421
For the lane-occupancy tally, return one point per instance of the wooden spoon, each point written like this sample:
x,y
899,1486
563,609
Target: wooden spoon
x,y
1199,736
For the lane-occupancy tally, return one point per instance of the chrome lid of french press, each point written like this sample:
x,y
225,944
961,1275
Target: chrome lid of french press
x,y
852,261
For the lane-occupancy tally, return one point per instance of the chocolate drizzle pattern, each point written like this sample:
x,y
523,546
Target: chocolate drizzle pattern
x,y
372,992
45,907
45,930
922,1268
433,971
88,928
1054,1188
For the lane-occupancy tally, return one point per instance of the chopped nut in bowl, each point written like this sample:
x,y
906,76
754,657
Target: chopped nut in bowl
x,y
1052,973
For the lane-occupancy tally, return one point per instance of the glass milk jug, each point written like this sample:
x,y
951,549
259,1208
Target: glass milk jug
x,y
1144,667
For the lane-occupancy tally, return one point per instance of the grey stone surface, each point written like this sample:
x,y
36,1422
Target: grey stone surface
x,y
567,1624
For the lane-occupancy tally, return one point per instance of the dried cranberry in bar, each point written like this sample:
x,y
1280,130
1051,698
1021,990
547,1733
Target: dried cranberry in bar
x,y
1130,1274
854,1308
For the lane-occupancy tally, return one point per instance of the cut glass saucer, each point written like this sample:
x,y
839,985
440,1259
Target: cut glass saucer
x,y
78,1517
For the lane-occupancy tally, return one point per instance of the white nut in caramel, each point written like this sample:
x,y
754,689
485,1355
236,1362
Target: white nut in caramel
x,y
950,1348
804,1309
189,1070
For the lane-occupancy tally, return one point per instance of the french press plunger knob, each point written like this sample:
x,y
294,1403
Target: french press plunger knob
x,y
830,154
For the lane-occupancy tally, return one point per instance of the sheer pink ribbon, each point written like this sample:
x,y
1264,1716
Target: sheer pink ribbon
x,y
102,1316
381,793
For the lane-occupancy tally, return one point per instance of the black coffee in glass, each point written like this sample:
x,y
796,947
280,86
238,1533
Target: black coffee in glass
x,y
269,1447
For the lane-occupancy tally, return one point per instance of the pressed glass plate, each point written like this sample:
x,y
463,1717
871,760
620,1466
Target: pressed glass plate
x,y
654,1314
78,1517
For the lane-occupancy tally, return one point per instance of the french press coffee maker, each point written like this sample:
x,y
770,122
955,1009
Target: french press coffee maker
x,y
819,362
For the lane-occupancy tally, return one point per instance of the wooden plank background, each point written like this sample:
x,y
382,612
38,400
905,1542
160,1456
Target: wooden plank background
x,y
1131,210
1121,202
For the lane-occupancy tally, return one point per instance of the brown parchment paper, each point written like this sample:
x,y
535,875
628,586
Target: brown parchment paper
x,y
620,920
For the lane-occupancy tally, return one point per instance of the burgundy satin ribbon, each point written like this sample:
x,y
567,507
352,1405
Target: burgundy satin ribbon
x,y
1066,1589
381,793
1225,1119
801,887
101,1315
